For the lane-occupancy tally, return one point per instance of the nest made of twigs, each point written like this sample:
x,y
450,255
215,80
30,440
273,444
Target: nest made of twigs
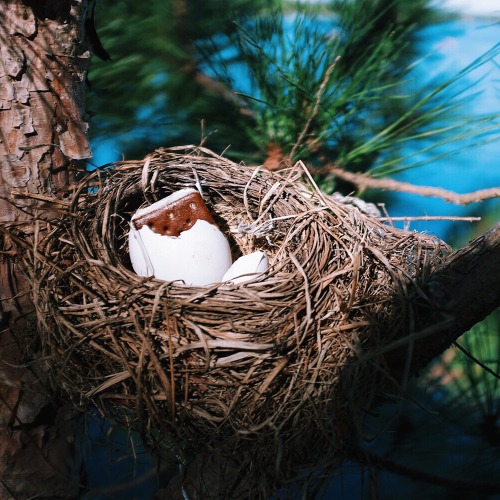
x,y
270,367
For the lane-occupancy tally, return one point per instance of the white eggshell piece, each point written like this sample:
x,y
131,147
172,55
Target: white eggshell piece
x,y
199,256
247,267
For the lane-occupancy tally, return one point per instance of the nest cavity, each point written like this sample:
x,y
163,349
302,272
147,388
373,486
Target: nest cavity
x,y
270,367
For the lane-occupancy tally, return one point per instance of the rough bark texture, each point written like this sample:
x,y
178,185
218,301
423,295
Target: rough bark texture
x,y
464,292
458,295
43,63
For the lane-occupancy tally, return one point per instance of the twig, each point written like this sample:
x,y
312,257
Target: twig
x,y
41,197
364,181
321,88
431,217
475,360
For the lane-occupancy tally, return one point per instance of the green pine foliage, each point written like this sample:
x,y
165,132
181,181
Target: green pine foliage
x,y
152,93
339,89
445,433
329,84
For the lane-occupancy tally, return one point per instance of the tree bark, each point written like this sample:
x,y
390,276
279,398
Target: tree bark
x,y
43,64
461,293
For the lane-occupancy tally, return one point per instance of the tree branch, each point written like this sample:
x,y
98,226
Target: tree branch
x,y
364,181
459,294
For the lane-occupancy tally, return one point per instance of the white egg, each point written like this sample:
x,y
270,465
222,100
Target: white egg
x,y
247,267
198,254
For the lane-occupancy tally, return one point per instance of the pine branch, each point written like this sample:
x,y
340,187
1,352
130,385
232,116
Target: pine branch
x,y
364,181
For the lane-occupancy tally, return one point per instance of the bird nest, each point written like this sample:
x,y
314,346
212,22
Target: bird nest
x,y
280,367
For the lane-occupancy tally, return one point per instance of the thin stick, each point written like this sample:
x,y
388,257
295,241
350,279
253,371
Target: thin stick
x,y
321,88
471,357
431,217
364,181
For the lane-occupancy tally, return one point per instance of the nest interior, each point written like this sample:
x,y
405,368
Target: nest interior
x,y
268,367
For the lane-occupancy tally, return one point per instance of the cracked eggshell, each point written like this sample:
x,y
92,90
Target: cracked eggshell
x,y
247,267
176,239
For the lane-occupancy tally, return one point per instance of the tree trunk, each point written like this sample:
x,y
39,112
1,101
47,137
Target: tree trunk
x,y
43,64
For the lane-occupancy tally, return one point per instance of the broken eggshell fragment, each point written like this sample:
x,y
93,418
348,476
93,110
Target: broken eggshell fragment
x,y
247,267
176,239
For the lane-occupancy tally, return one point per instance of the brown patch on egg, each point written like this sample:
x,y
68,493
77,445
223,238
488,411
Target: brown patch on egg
x,y
173,218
